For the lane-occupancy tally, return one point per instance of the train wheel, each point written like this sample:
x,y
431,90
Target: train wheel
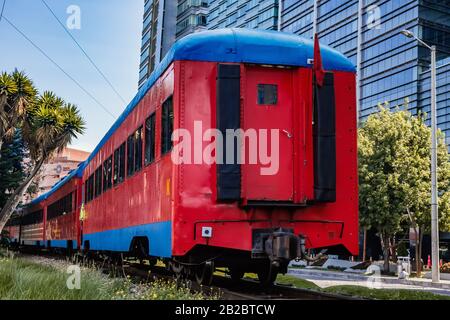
x,y
178,270
152,262
236,274
204,273
268,275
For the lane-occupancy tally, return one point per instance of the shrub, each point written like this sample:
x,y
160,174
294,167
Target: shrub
x,y
445,268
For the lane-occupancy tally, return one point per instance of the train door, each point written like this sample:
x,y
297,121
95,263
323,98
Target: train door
x,y
268,111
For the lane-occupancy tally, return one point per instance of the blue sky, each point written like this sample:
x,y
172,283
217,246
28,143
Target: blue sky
x,y
110,34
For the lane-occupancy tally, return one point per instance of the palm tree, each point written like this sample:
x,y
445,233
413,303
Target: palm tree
x,y
49,125
17,94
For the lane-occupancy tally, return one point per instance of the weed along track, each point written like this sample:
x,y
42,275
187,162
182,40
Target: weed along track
x,y
223,287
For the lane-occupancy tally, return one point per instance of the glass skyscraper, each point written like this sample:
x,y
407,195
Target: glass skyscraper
x,y
391,67
165,21
262,14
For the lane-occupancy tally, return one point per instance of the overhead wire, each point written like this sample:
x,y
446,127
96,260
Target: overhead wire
x,y
84,51
3,9
59,67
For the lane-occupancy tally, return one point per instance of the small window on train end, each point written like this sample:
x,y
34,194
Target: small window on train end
x,y
267,94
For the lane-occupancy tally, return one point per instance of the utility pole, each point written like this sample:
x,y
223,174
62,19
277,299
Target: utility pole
x,y
434,184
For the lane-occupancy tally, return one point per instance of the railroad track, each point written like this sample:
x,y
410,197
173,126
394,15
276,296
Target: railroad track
x,y
246,289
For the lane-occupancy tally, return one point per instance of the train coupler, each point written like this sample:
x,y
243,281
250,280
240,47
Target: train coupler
x,y
278,245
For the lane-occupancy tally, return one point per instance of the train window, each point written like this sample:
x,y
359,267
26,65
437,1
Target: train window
x,y
91,185
61,207
116,167
267,94
167,125
130,155
138,149
150,139
98,182
107,174
90,188
122,163
33,218
119,164
86,191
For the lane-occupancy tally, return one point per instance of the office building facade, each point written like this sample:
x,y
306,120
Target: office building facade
x,y
165,21
158,34
192,17
253,14
391,67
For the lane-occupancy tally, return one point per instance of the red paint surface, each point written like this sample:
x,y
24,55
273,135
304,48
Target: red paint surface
x,y
278,186
141,198
195,200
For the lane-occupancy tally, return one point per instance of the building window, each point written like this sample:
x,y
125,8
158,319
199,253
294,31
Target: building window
x,y
267,94
138,150
167,125
119,164
107,174
98,182
150,139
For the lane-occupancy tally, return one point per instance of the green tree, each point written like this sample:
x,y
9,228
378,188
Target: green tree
x,y
17,95
12,166
49,125
394,175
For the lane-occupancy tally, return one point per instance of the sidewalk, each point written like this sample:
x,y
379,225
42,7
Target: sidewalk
x,y
325,278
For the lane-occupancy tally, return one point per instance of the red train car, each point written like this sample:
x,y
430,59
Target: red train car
x,y
32,225
228,156
200,213
12,229
51,220
62,209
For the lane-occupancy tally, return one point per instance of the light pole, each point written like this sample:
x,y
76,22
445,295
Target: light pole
x,y
434,186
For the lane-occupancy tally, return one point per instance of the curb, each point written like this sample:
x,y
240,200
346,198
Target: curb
x,y
344,276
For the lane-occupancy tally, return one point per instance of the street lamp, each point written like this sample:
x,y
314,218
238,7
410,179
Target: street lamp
x,y
434,187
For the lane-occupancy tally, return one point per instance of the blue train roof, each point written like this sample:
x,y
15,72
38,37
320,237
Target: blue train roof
x,y
235,45
255,46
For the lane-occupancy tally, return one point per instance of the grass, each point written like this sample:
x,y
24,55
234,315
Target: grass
x,y
297,282
385,294
24,280
363,292
21,279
